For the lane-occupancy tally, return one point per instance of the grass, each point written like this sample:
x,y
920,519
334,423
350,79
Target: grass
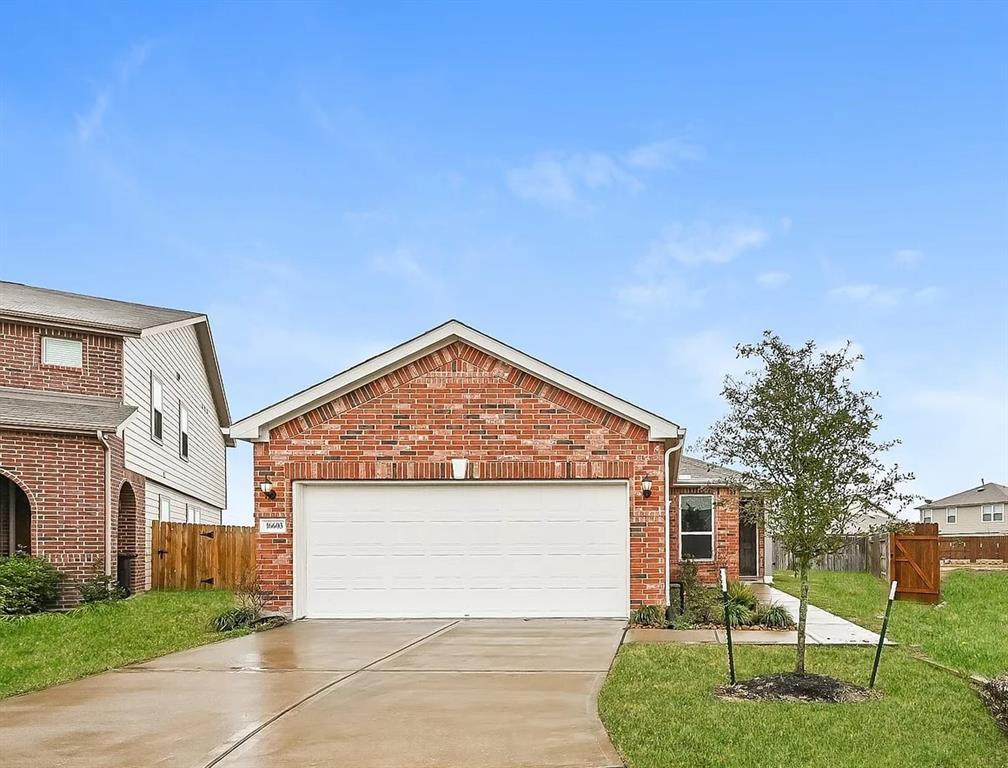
x,y
966,631
658,706
45,649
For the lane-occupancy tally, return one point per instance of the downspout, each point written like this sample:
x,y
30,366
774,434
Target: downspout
x,y
108,503
668,495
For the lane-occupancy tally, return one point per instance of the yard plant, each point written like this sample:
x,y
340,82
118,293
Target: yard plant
x,y
27,584
804,438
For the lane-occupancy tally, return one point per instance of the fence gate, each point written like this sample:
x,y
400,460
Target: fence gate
x,y
190,556
914,563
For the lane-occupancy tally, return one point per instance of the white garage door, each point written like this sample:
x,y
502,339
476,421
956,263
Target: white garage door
x,y
461,549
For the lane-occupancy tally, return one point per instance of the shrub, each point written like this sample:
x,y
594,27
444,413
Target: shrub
x,y
741,593
739,614
648,616
773,616
703,606
234,618
27,584
100,588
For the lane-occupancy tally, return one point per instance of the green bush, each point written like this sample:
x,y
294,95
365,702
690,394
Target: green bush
x,y
27,584
648,616
704,606
773,616
234,618
741,593
739,614
100,588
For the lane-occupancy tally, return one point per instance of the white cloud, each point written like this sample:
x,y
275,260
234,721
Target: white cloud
x,y
662,154
882,297
90,122
702,242
661,292
908,257
563,179
772,279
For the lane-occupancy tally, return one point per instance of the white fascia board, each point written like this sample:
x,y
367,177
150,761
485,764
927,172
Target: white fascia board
x,y
256,427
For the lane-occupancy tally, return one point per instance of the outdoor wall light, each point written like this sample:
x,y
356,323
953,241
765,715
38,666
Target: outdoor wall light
x,y
646,487
267,488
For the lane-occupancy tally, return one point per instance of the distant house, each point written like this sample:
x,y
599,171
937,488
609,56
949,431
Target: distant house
x,y
979,511
111,416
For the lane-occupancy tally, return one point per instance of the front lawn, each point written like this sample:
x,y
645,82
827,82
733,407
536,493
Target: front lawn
x,y
658,706
45,649
966,631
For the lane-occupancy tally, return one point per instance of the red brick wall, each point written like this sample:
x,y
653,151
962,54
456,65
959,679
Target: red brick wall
x,y
64,478
726,533
21,362
459,401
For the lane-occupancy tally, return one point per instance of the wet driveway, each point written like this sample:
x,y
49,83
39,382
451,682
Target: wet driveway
x,y
393,694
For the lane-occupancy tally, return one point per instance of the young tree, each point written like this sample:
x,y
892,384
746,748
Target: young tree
x,y
804,438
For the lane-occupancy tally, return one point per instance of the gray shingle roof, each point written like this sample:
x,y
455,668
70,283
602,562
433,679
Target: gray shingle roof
x,y
44,304
988,493
58,411
699,472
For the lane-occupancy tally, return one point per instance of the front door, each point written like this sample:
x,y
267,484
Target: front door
x,y
747,548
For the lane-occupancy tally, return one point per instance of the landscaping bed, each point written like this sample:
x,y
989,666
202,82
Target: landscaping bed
x,y
44,649
794,687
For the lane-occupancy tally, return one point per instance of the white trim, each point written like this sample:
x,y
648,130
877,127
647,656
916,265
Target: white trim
x,y
49,343
156,409
951,512
299,543
12,517
183,430
713,530
256,427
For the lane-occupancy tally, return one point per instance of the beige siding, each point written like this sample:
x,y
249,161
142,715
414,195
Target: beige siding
x,y
176,506
968,522
174,357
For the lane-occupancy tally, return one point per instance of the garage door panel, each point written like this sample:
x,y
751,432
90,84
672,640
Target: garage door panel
x,y
453,549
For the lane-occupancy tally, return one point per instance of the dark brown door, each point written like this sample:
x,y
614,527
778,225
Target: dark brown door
x,y
747,548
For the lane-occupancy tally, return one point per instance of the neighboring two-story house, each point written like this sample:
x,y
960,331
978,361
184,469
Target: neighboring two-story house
x,y
111,416
977,512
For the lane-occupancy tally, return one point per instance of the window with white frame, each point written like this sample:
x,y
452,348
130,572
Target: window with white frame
x,y
164,508
925,515
696,526
68,353
156,409
951,514
992,513
183,437
192,514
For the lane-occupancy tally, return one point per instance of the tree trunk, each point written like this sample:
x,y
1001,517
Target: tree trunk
x,y
802,615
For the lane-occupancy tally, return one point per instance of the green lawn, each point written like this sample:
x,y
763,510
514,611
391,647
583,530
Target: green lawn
x,y
45,649
966,631
658,706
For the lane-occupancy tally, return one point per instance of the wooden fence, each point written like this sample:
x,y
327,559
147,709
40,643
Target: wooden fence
x,y
191,556
973,548
860,553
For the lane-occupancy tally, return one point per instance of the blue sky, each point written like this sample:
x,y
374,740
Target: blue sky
x,y
624,191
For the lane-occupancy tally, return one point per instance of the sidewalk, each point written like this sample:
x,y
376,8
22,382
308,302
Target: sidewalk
x,y
821,628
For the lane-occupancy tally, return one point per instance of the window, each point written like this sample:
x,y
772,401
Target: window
x,y
183,436
950,514
992,513
696,527
164,508
68,353
192,514
926,516
156,412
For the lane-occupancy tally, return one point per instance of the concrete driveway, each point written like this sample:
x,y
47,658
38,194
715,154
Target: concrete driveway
x,y
394,694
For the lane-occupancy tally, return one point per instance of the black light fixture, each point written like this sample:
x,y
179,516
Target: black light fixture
x,y
267,488
646,487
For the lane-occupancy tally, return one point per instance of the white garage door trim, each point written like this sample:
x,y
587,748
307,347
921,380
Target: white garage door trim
x,y
300,548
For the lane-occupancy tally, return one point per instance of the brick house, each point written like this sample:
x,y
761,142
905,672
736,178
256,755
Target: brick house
x,y
111,415
454,475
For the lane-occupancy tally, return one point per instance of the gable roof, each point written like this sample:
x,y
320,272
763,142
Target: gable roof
x,y
60,412
988,493
699,472
75,311
256,426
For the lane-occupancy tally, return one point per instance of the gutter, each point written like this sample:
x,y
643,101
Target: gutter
x,y
108,502
668,493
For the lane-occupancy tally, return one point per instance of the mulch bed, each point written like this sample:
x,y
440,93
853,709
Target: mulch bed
x,y
795,687
995,697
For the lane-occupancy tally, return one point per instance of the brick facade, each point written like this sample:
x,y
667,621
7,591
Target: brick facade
x,y
459,401
63,475
21,362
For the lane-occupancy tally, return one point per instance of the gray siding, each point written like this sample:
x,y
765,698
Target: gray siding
x,y
968,522
175,505
174,357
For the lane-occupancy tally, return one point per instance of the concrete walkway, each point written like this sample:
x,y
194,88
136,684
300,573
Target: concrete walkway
x,y
368,694
821,628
